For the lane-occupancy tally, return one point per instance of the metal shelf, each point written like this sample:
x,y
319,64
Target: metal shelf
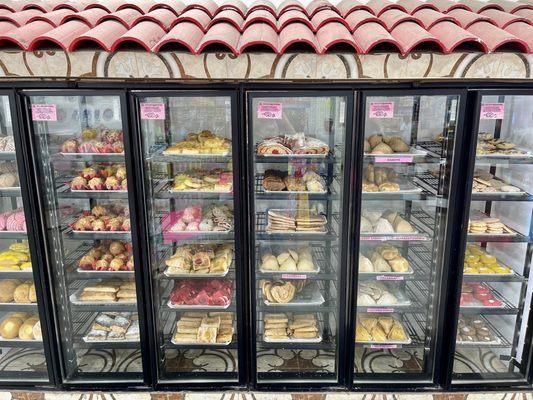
x,y
64,192
158,156
507,309
104,157
19,343
10,192
28,307
261,194
8,155
323,345
161,190
14,274
503,342
287,159
13,235
68,233
412,327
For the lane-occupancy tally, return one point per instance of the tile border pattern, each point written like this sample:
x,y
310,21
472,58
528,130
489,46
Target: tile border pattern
x,y
125,65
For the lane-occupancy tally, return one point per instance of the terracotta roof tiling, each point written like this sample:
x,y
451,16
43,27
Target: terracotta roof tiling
x,y
237,26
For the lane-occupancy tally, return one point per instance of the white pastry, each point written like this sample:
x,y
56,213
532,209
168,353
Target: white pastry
x,y
383,226
365,265
366,225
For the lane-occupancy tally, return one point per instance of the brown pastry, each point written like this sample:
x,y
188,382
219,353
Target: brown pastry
x,y
389,187
382,148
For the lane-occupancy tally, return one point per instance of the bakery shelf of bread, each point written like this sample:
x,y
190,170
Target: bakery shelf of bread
x,y
291,328
298,145
478,331
17,295
373,296
390,225
108,294
111,328
381,330
379,145
278,181
291,293
204,294
482,298
479,264
204,143
199,260
386,180
15,261
486,228
204,329
10,191
20,329
488,146
384,258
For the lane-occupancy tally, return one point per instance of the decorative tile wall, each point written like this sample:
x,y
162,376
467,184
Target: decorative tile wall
x,y
261,66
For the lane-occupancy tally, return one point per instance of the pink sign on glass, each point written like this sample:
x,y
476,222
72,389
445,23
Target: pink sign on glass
x,y
44,112
492,110
383,346
404,159
152,111
293,276
269,110
382,110
389,278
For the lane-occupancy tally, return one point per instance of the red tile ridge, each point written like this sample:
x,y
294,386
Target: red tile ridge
x,y
287,5
320,5
495,37
292,16
261,5
77,5
260,15
297,32
372,34
11,5
259,33
6,26
126,16
145,33
23,36
196,16
325,16
108,5
62,36
392,17
235,5
451,36
54,17
143,6
44,6
522,31
467,18
176,6
161,16
90,16
221,33
20,18
230,16
361,16
409,35
346,7
502,19
333,33
412,6
380,6
208,6
525,12
429,17
445,6
104,35
184,33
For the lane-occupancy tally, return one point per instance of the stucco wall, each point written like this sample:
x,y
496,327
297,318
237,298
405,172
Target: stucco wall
x,y
173,65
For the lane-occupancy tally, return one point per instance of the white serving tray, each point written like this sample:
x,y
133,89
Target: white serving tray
x,y
318,339
167,274
88,191
204,155
75,299
91,154
388,342
188,307
413,152
316,300
92,271
393,274
110,341
465,343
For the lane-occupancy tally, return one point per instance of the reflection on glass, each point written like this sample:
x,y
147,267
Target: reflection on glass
x,y
298,152
85,187
495,298
407,156
188,163
22,355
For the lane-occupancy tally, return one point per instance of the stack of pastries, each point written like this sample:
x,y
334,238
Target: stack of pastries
x,y
202,327
381,144
374,293
215,180
109,217
21,325
293,260
109,292
379,330
200,259
16,258
281,292
114,326
309,181
101,177
384,258
113,255
18,291
300,220
384,222
297,143
94,140
380,179
204,142
287,326
487,144
478,261
213,218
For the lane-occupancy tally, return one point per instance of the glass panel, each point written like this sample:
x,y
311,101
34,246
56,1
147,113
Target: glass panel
x,y
82,169
298,149
496,294
22,354
188,163
407,160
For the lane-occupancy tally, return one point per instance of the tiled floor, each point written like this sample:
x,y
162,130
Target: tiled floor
x,y
258,396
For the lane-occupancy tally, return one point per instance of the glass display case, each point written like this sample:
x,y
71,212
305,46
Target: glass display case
x,y
190,162
407,155
23,357
297,146
79,153
493,338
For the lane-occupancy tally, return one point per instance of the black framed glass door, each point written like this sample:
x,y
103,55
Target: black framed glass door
x,y
190,155
24,349
297,146
82,161
493,337
407,150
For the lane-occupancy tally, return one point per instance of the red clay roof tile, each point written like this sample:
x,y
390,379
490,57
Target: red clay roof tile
x,y
406,25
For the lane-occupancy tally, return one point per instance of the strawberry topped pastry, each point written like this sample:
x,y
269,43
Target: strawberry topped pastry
x,y
113,255
213,292
112,218
101,177
95,141
475,294
297,143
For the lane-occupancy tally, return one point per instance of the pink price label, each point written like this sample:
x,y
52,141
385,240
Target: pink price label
x,y
44,112
383,346
269,110
293,276
389,278
380,310
492,111
152,111
372,238
404,159
382,110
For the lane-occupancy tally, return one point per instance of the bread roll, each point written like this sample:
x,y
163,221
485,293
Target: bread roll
x,y
365,265
26,330
402,226
379,263
389,252
37,333
382,148
367,147
398,145
7,289
399,264
375,140
9,328
22,293
32,295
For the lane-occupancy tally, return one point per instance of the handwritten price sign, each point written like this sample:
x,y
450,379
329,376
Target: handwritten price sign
x,y
382,110
152,111
269,110
44,112
492,110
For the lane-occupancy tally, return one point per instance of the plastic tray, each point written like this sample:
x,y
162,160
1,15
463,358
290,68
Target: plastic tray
x,y
110,341
393,274
92,271
206,155
493,343
98,232
318,339
196,275
188,307
315,300
412,153
198,191
75,299
292,155
98,191
91,154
